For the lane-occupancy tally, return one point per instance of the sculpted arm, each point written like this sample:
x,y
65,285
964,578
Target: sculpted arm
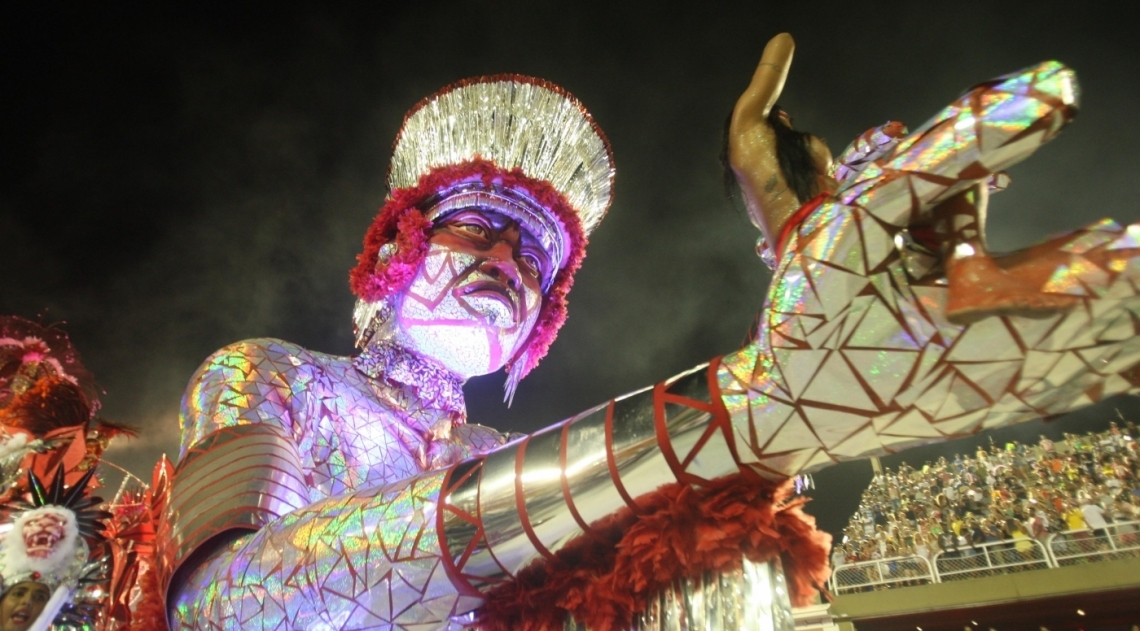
x,y
855,355
752,151
238,467
425,550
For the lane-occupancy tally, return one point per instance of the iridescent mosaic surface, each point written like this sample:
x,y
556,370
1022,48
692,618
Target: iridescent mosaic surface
x,y
854,356
288,421
364,514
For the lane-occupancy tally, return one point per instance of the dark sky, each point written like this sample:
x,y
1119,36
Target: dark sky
x,y
176,181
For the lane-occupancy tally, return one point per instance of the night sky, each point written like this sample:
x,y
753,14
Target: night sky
x,y
176,181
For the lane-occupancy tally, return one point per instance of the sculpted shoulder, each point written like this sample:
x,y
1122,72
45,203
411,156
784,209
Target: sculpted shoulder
x,y
258,357
252,381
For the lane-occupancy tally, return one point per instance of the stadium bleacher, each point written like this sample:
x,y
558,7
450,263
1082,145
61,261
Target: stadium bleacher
x,y
1006,508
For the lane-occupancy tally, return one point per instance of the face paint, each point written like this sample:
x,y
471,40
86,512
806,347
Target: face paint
x,y
477,295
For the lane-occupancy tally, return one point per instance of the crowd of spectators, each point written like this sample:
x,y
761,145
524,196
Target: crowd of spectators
x,y
1006,492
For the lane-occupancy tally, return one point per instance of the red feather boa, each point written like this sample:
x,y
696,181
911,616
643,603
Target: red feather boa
x,y
680,532
401,220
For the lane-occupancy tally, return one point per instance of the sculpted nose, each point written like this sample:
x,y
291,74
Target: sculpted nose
x,y
500,264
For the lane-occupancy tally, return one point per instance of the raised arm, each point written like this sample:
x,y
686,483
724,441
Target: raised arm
x,y
778,168
767,83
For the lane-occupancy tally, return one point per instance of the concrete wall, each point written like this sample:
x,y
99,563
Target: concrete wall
x,y
1087,578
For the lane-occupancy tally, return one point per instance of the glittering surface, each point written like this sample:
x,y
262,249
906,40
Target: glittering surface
x,y
469,332
350,430
353,435
854,355
513,122
865,149
753,597
543,226
434,387
362,560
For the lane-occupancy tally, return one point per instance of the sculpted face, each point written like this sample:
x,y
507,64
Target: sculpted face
x,y
42,534
477,295
22,604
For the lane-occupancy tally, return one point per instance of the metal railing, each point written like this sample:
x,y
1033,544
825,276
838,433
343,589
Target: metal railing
x,y
1115,541
987,559
865,575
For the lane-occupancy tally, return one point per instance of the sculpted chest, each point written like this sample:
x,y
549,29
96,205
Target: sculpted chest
x,y
355,433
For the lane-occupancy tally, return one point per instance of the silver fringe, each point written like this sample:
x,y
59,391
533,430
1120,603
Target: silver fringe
x,y
512,123
754,598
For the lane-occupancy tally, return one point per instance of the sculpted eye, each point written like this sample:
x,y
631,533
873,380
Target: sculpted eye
x,y
530,263
534,265
473,228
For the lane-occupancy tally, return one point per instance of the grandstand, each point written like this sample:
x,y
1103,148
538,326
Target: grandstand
x,y
1013,535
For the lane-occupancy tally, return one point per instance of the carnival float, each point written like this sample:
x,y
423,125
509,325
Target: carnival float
x,y
314,491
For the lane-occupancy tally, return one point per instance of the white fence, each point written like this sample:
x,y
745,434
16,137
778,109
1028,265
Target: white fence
x,y
987,559
908,570
1117,541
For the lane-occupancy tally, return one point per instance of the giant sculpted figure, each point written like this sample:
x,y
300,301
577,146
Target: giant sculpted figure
x,y
321,492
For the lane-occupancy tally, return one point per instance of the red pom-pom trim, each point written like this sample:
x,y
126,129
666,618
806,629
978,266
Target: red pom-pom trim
x,y
402,220
680,532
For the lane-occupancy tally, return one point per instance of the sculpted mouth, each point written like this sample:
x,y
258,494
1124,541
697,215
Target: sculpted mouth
x,y
494,289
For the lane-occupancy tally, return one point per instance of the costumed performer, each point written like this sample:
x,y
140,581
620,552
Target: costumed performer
x,y
59,542
49,406
326,492
22,604
45,558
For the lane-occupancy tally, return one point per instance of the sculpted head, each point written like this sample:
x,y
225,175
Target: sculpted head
x,y
495,183
805,159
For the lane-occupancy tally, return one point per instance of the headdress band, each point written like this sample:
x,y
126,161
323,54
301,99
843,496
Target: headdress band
x,y
514,204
